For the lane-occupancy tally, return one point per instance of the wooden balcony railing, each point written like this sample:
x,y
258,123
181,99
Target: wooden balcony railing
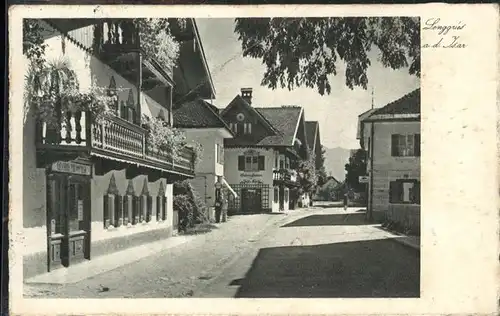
x,y
116,137
287,175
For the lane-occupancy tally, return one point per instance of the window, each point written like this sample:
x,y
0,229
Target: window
x,y
113,210
247,128
405,191
219,153
405,145
251,161
286,195
287,163
161,204
276,159
234,127
276,194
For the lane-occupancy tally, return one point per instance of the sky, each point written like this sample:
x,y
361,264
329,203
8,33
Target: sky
x,y
337,113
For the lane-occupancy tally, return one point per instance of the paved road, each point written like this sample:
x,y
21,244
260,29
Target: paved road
x,y
324,252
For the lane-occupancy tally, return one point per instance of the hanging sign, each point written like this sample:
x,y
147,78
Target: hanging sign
x,y
363,179
71,167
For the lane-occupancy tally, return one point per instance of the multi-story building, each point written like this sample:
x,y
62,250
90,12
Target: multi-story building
x,y
203,124
90,189
260,161
314,143
391,136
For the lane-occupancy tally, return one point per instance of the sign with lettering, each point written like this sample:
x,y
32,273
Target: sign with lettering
x,y
251,175
72,167
363,179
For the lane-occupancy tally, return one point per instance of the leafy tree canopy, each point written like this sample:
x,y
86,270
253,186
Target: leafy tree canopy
x,y
355,168
306,51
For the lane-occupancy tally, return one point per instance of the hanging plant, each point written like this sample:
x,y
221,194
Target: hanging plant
x,y
157,41
53,90
197,151
162,138
33,42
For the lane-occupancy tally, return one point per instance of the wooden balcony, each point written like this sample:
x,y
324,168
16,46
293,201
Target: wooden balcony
x,y
118,140
286,177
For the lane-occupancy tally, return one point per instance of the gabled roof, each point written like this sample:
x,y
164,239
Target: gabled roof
x,y
284,120
406,107
239,100
312,133
198,114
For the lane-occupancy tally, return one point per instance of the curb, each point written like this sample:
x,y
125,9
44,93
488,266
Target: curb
x,y
406,243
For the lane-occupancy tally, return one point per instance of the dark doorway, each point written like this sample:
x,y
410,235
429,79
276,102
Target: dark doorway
x,y
251,200
68,219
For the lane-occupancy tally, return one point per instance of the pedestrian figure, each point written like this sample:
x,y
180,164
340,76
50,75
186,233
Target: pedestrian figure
x,y
346,200
218,211
224,209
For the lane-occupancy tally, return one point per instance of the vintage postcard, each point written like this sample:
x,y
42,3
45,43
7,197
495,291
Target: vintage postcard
x,y
254,159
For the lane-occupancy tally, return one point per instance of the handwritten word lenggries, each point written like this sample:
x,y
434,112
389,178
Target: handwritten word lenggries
x,y
434,24
448,34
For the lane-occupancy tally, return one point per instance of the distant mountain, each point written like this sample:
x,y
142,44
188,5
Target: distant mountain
x,y
335,160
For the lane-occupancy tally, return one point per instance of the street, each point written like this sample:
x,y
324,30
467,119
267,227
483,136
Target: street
x,y
321,252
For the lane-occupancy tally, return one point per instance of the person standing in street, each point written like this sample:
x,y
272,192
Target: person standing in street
x,y
346,201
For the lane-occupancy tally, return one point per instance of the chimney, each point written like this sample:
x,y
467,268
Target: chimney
x,y
246,94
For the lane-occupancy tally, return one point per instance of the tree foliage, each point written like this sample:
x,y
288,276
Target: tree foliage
x,y
306,174
331,190
355,168
306,51
320,167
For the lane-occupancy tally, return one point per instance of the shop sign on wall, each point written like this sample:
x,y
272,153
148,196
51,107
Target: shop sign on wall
x,y
251,175
71,167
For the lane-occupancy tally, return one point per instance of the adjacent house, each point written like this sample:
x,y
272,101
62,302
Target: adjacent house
x,y
202,123
391,136
261,159
90,189
314,143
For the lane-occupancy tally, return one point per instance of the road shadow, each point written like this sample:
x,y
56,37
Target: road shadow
x,y
348,219
330,205
362,269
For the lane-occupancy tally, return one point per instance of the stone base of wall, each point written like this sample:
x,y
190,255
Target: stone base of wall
x,y
36,263
404,216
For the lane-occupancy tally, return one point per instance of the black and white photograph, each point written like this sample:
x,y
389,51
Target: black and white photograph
x,y
222,157
247,157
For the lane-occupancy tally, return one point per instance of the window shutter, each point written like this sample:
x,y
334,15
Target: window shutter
x,y
164,208
416,144
118,211
126,218
149,212
416,192
105,209
158,208
393,191
241,163
262,162
135,209
395,145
